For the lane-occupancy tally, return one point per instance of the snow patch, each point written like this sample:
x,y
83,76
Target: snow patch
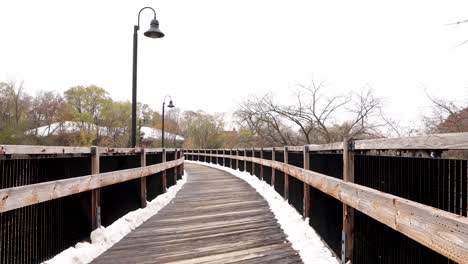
x,y
301,235
105,237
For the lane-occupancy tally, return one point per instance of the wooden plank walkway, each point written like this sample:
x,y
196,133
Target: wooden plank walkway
x,y
215,218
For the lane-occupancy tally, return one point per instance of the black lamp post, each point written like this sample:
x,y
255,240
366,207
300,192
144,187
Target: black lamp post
x,y
170,106
153,32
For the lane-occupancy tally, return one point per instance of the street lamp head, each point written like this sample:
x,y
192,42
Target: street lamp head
x,y
170,104
153,31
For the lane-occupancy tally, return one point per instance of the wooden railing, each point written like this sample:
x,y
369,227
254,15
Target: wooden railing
x,y
439,230
52,197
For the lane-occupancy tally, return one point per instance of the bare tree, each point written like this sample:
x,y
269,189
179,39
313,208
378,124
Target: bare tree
x,y
266,125
314,117
446,116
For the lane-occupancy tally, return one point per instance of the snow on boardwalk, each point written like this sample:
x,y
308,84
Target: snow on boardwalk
x,y
215,218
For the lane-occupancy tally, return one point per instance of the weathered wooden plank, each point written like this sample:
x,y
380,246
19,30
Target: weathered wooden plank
x,y
325,147
452,141
25,149
50,150
295,148
436,141
17,197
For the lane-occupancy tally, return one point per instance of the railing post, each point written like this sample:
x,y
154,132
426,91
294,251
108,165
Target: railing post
x,y
176,154
211,157
253,164
164,174
96,193
181,167
224,157
348,212
245,159
143,179
306,200
261,166
237,159
273,158
286,176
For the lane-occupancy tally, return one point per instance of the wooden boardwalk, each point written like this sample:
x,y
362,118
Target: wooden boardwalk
x,y
215,218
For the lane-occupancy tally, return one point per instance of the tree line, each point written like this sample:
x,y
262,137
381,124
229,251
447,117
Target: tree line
x,y
316,117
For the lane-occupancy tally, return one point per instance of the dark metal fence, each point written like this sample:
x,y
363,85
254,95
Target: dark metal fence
x,y
441,183
37,232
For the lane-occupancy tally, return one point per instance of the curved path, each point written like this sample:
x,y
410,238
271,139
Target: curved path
x,y
215,218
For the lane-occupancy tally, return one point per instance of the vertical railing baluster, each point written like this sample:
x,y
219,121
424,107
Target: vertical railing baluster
x,y
164,173
273,158
306,199
224,157
143,179
237,159
348,211
286,176
253,163
245,159
96,193
176,155
261,166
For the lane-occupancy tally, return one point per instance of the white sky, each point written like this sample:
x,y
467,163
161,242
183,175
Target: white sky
x,y
217,52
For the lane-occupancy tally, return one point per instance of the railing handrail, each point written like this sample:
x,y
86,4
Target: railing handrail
x,y
53,150
22,196
447,141
439,230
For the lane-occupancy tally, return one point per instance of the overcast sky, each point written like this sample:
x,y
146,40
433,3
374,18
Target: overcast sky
x,y
216,53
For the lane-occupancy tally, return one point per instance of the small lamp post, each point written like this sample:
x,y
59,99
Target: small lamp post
x,y
171,105
152,32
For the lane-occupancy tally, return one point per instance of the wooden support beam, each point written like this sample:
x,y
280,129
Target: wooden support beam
x,y
237,160
348,211
306,200
273,158
176,155
261,166
286,177
245,161
252,163
164,173
224,158
96,193
143,179
181,166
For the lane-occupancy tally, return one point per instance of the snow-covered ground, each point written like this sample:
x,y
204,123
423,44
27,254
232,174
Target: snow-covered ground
x,y
104,237
302,237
